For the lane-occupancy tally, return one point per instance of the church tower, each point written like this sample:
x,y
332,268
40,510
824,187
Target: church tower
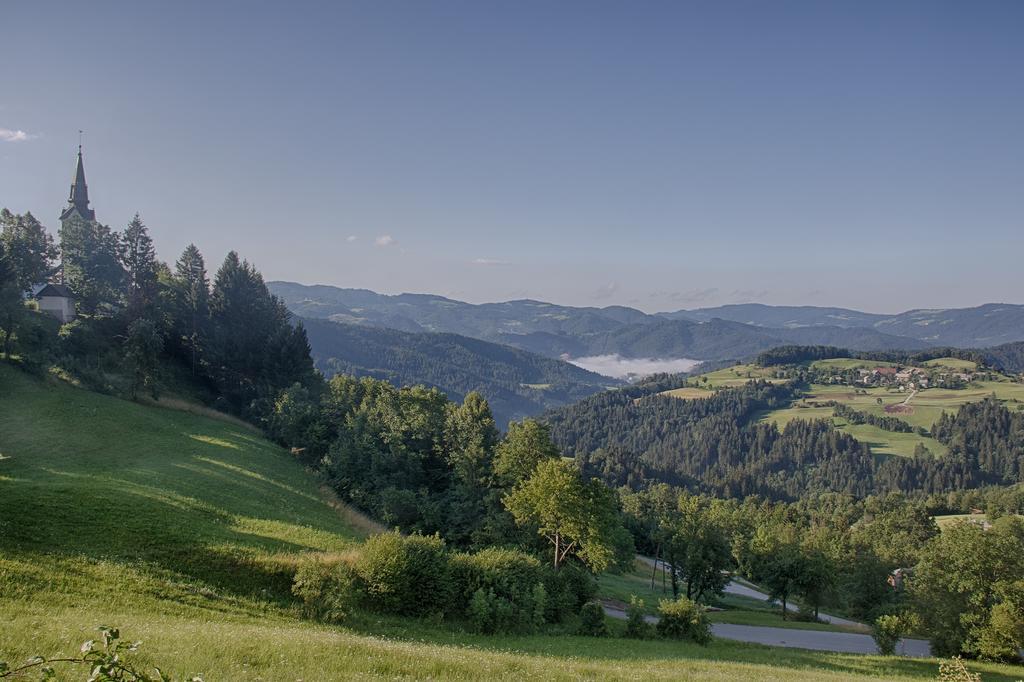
x,y
78,201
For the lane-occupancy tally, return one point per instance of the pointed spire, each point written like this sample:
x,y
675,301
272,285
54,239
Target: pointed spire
x,y
79,197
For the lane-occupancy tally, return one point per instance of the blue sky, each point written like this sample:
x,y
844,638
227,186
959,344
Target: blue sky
x,y
661,155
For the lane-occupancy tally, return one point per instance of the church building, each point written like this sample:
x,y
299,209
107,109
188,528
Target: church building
x,y
57,299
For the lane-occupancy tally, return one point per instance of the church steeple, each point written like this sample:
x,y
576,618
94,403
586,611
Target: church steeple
x,y
78,200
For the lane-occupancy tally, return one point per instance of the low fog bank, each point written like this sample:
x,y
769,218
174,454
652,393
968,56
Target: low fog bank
x,y
633,368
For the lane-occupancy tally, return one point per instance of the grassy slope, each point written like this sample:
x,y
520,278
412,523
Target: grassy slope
x,y
182,529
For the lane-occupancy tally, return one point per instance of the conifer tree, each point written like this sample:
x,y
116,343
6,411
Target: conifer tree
x,y
140,267
11,306
90,255
192,298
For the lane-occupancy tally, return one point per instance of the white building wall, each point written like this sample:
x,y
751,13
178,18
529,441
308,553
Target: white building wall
x,y
58,306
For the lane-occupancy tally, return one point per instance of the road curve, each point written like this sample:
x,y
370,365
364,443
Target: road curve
x,y
793,638
747,590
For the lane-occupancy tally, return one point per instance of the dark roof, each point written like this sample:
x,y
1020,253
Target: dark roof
x,y
55,290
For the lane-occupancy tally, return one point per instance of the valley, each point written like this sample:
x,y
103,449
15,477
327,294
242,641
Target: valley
x,y
185,530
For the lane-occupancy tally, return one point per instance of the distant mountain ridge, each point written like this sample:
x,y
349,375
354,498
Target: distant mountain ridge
x,y
516,383
712,334
982,326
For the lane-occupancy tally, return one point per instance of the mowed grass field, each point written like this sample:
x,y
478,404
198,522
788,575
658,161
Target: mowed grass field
x,y
925,408
184,531
689,393
737,375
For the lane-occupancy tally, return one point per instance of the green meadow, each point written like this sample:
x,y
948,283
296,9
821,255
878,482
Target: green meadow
x,y
184,530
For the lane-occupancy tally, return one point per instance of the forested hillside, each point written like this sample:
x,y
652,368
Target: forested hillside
x,y
516,383
718,444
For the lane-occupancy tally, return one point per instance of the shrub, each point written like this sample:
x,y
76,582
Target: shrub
x,y
328,590
568,589
405,575
539,603
683,619
489,613
887,632
510,573
592,620
1003,637
507,582
954,670
637,626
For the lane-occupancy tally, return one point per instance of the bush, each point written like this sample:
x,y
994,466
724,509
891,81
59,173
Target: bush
x,y
568,589
489,613
328,590
637,626
592,620
887,632
504,588
683,619
405,575
954,670
1003,637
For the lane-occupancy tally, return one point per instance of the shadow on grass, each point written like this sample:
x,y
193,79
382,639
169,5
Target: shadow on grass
x,y
558,641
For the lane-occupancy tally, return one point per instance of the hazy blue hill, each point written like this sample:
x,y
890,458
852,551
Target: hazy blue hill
x,y
987,325
723,339
726,332
1008,357
425,312
780,316
858,338
979,327
516,383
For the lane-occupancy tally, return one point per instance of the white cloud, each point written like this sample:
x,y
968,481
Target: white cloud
x,y
488,261
385,240
7,135
351,238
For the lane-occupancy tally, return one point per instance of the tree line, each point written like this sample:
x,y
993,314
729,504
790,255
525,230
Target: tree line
x,y
881,559
148,323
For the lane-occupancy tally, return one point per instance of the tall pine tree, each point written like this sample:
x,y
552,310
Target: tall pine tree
x,y
140,269
255,352
191,304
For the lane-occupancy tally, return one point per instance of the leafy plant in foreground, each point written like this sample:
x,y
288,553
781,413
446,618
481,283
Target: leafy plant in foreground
x,y
106,661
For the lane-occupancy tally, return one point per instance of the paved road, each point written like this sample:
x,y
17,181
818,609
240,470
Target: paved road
x,y
817,640
745,590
